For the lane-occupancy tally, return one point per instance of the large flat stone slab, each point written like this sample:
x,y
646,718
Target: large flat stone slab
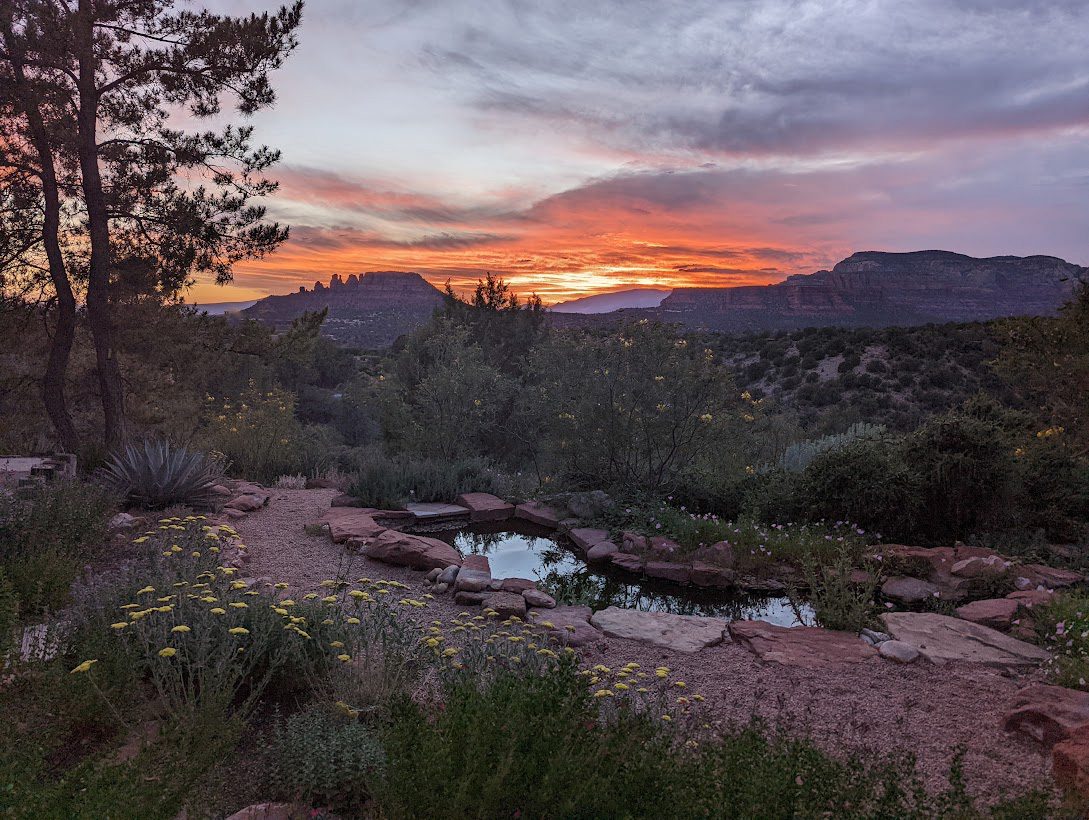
x,y
682,633
568,625
435,511
407,550
475,574
485,507
808,647
941,639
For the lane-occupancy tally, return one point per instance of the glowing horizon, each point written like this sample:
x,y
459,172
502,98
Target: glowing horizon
x,y
572,153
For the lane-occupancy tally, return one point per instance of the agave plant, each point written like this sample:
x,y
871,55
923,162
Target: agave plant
x,y
156,474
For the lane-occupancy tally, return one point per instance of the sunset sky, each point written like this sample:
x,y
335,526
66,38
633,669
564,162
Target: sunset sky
x,y
579,147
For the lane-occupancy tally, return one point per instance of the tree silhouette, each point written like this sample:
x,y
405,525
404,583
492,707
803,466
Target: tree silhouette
x,y
106,77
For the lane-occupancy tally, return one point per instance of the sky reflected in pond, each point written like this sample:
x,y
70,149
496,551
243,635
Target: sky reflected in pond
x,y
538,555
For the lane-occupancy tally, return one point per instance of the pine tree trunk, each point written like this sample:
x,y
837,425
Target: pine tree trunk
x,y
60,350
98,276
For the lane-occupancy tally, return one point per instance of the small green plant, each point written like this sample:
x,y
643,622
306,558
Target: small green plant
x,y
47,535
9,614
156,474
323,757
840,595
1063,627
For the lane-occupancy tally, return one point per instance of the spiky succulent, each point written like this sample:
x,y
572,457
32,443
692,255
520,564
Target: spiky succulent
x,y
156,474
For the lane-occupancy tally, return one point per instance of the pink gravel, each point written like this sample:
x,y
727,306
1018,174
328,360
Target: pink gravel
x,y
874,707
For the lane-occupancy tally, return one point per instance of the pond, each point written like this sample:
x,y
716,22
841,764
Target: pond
x,y
527,551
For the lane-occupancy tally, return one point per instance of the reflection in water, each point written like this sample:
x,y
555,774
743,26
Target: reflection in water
x,y
535,553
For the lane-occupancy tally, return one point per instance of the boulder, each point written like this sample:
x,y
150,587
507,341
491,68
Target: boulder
x,y
465,598
441,588
586,537
506,604
940,638
1030,598
1032,576
807,647
534,597
662,547
1047,714
247,503
448,574
681,633
668,571
475,574
991,566
346,523
631,563
248,488
1070,763
121,521
909,591
568,625
517,585
485,507
416,551
589,505
997,613
721,554
898,651
345,500
432,575
220,490
538,513
601,551
633,542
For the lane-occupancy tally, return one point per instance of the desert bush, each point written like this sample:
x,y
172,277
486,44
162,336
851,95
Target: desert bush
x,y
46,535
322,757
800,455
261,438
390,481
9,613
156,474
632,408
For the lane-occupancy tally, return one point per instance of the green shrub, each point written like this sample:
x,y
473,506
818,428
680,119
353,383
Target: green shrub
x,y
543,746
867,482
384,481
156,474
9,614
324,758
47,535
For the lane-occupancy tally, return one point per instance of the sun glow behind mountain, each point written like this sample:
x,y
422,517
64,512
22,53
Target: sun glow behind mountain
x,y
574,154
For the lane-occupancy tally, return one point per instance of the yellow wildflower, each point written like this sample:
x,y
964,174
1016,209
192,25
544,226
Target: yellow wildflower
x,y
85,666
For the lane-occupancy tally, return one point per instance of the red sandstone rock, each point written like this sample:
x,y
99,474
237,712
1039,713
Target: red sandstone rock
x,y
1070,763
668,571
567,625
1030,598
633,542
632,563
997,613
664,548
347,522
506,604
485,506
709,575
1047,714
538,513
585,537
808,647
1050,577
601,551
518,585
414,551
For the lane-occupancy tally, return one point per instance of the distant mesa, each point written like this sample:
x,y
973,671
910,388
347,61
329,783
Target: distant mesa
x,y
617,300
868,289
370,310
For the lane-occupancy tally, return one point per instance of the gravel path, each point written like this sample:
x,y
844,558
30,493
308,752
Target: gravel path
x,y
928,711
